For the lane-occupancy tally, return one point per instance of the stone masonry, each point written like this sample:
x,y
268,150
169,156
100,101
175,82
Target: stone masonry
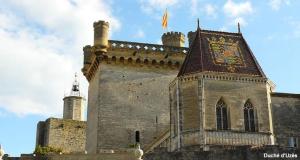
x,y
69,135
286,118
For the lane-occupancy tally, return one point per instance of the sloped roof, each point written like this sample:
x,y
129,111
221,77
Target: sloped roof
x,y
213,51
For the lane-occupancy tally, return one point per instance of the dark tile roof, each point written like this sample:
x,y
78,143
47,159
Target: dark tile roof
x,y
213,51
287,95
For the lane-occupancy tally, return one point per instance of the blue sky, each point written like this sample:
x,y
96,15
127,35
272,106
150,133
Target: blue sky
x,y
41,47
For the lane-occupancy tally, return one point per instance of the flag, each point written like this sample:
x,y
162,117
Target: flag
x,y
165,20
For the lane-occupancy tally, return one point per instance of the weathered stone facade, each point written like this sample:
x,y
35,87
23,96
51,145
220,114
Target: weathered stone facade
x,y
230,153
73,108
286,118
128,92
67,134
198,96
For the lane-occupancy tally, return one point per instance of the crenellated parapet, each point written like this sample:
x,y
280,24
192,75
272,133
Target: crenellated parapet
x,y
169,55
175,39
134,54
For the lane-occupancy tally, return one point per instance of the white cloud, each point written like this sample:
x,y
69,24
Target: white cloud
x,y
237,9
223,29
139,34
237,12
152,6
194,7
41,48
240,20
276,4
296,28
210,10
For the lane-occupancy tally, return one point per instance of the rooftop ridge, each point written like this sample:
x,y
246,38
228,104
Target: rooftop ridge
x,y
207,30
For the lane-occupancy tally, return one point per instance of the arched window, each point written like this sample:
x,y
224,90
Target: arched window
x,y
249,119
221,114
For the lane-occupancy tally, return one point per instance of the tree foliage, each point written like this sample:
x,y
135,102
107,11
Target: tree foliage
x,y
39,150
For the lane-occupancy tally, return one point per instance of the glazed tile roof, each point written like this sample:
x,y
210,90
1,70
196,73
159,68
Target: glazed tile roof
x,y
213,51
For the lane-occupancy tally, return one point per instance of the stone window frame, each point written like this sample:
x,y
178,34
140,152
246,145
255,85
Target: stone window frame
x,y
250,117
222,122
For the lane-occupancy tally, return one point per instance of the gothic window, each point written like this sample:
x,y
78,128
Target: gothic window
x,y
249,117
221,114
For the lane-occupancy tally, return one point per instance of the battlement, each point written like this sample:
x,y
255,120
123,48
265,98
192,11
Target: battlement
x,y
175,39
100,24
88,57
87,48
133,53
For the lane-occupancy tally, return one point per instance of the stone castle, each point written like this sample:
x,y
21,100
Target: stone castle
x,y
213,93
169,98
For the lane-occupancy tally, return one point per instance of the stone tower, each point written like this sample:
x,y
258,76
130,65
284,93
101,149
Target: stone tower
x,y
175,39
128,84
74,103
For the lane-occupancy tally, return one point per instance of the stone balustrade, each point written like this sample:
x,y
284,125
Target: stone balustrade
x,y
237,138
113,44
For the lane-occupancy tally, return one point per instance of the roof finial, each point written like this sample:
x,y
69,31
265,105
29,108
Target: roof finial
x,y
239,27
75,76
198,24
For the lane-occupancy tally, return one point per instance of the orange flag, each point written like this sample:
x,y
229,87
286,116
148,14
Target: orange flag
x,y
165,20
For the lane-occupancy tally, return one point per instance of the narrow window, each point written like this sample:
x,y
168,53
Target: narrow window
x,y
137,136
249,121
221,114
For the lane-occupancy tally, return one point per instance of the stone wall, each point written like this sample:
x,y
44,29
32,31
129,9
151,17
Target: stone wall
x,y
235,94
286,117
102,156
40,133
69,135
124,99
92,114
206,90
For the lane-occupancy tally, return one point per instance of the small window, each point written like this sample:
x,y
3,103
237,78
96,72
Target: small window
x,y
137,136
293,142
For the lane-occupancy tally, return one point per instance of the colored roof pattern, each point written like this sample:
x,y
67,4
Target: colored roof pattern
x,y
214,51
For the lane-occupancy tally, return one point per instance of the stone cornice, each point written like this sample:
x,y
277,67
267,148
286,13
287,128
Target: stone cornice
x,y
245,78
